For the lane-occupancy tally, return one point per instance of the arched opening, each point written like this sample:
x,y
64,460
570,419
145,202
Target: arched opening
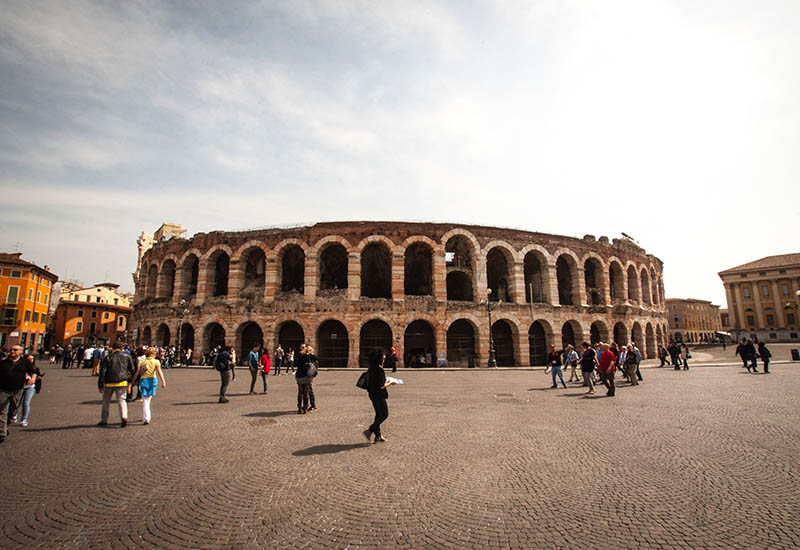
x,y
461,344
191,272
254,263
615,282
293,269
218,273
250,334
534,278
570,334
374,334
376,271
621,334
598,332
214,336
459,286
637,337
649,341
633,285
497,275
659,336
503,339
166,283
147,338
418,272
565,275
419,344
459,253
593,278
333,267
152,281
645,287
290,336
538,344
333,344
162,335
187,337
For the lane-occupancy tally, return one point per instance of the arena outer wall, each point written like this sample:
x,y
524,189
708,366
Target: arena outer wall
x,y
344,287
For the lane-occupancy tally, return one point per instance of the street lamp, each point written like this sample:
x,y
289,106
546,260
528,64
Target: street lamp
x,y
492,361
180,311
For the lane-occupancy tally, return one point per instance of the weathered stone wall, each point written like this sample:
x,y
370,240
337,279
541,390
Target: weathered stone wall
x,y
636,307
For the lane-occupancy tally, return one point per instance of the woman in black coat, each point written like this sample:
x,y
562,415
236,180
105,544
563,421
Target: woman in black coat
x,y
376,387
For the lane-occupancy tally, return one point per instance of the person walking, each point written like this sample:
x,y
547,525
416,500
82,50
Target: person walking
x,y
630,363
303,380
266,365
662,355
554,360
97,355
685,356
29,389
14,372
639,358
313,365
254,364
149,369
116,371
606,369
278,361
765,355
376,389
393,359
749,356
588,361
571,360
227,372
289,360
740,352
674,353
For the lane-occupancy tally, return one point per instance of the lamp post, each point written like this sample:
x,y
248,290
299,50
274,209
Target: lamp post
x,y
492,361
180,311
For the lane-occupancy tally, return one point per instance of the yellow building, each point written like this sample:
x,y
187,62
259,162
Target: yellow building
x,y
692,320
763,299
25,292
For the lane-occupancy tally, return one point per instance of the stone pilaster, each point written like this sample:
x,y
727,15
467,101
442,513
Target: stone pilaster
x,y
353,276
235,279
579,297
270,278
202,281
550,283
310,279
439,274
517,285
398,276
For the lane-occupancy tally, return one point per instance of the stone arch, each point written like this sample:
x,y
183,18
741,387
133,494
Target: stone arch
x,y
333,344
418,267
151,281
248,334
162,335
291,263
593,275
540,335
419,344
218,266
598,332
499,259
616,281
375,333
147,338
333,260
621,334
376,269
187,337
253,267
505,337
659,336
649,341
461,256
457,231
329,240
634,293
637,336
571,333
166,280
536,272
461,343
567,279
190,274
213,336
289,334
645,286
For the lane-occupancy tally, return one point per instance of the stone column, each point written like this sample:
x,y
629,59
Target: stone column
x,y
177,293
270,278
605,283
780,317
518,283
736,288
760,323
579,286
353,276
355,348
524,350
551,284
202,282
480,280
440,334
398,276
623,285
439,274
310,279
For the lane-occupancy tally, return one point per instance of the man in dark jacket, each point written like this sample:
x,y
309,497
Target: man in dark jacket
x,y
749,356
116,370
13,372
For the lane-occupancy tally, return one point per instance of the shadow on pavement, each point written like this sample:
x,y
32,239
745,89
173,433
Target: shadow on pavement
x,y
572,394
198,403
329,449
270,414
62,428
97,402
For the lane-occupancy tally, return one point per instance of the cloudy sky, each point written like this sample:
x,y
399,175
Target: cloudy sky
x,y
677,122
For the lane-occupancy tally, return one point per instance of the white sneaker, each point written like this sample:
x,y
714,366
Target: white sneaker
x,y
23,423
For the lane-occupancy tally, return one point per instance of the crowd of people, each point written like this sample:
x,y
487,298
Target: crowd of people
x,y
596,363
89,357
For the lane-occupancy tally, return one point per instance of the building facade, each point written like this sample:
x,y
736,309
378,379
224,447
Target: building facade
x,y
763,300
25,293
426,289
692,321
93,315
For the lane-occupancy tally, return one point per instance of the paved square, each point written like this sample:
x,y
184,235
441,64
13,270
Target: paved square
x,y
705,458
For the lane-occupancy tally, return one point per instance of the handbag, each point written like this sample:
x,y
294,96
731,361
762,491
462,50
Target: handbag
x,y
312,368
363,380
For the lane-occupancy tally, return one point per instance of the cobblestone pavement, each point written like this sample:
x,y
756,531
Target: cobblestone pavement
x,y
705,458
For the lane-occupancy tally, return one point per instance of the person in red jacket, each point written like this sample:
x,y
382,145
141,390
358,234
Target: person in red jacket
x,y
606,368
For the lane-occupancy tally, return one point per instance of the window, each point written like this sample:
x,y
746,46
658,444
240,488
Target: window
x,y
751,320
94,315
46,299
44,318
793,335
9,317
765,291
35,316
763,273
743,275
773,336
39,297
30,294
790,318
784,289
13,295
121,321
27,315
97,299
746,292
770,320
79,326
116,301
782,271
16,274
92,328
105,327
80,313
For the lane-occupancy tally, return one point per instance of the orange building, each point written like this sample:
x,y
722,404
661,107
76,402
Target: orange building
x,y
94,315
25,292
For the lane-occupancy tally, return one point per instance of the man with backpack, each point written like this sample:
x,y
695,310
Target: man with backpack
x,y
227,372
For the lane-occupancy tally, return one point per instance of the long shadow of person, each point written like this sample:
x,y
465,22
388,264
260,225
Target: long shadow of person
x,y
330,449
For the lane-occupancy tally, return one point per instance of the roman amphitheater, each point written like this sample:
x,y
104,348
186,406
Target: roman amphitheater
x,y
428,289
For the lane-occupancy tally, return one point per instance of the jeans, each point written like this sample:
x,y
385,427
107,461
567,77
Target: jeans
x,y
766,364
556,371
381,414
8,400
254,376
607,376
751,359
278,363
27,395
225,379
630,373
313,401
119,393
302,397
